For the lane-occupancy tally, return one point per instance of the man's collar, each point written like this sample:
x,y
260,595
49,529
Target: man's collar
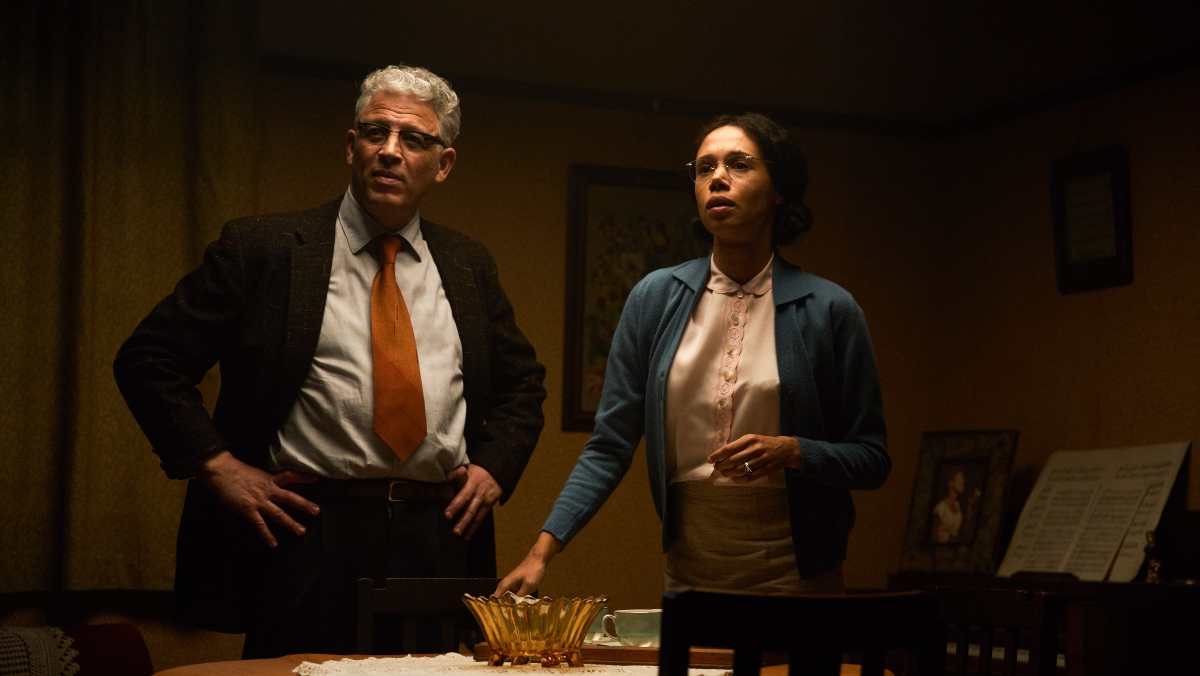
x,y
360,227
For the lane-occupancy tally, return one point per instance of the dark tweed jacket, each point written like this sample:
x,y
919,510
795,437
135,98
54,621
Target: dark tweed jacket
x,y
255,305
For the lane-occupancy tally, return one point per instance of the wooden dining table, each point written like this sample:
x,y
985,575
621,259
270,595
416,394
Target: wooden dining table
x,y
283,666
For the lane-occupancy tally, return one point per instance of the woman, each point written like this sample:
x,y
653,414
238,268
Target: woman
x,y
946,513
948,517
754,383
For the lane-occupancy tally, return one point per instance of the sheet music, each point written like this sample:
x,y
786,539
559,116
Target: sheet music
x,y
1089,511
1059,527
1097,542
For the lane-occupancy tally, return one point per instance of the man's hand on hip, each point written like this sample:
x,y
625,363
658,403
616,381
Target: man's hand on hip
x,y
477,492
252,493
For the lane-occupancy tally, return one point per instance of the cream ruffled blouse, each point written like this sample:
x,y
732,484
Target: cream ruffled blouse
x,y
724,381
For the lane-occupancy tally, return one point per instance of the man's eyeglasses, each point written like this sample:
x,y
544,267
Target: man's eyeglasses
x,y
737,165
410,139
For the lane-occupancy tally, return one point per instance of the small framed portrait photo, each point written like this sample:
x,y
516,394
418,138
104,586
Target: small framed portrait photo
x,y
957,489
958,501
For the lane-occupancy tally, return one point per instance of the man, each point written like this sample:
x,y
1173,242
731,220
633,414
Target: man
x,y
377,398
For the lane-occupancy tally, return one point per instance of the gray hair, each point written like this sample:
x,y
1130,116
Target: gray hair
x,y
419,84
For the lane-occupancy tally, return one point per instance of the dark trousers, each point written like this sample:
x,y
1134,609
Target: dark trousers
x,y
306,599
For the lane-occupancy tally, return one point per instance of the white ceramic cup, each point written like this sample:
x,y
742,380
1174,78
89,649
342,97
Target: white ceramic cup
x,y
638,627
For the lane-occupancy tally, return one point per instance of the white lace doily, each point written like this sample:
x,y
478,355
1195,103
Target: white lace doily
x,y
461,664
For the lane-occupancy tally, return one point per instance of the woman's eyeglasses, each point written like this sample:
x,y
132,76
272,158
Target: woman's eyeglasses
x,y
737,165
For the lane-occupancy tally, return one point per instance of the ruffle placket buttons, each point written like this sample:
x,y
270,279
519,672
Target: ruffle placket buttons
x,y
727,376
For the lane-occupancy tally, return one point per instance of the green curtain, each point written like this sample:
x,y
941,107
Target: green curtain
x,y
130,134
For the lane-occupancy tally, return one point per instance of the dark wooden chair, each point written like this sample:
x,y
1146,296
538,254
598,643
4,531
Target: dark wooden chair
x,y
418,600
1019,619
814,630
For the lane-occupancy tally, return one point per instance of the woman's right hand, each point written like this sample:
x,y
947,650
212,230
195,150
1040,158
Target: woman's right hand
x,y
527,576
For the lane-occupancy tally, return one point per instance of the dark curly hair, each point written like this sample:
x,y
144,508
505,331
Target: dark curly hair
x,y
786,165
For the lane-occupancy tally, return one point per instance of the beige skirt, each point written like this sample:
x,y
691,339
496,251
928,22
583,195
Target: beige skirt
x,y
735,538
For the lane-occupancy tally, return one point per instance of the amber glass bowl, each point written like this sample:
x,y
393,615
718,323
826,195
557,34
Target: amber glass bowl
x,y
522,628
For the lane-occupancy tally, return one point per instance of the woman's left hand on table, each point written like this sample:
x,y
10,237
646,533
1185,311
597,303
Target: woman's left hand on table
x,y
754,456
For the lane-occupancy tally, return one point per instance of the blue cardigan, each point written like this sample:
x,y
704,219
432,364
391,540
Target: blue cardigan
x,y
829,399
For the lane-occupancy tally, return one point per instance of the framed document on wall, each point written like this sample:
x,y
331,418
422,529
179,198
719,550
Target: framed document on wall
x,y
1089,195
622,224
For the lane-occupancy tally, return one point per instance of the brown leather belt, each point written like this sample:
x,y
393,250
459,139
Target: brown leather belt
x,y
391,490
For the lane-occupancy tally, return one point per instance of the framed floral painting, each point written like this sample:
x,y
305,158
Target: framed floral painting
x,y
621,225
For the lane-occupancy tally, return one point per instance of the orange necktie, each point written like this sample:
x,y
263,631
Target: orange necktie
x,y
399,398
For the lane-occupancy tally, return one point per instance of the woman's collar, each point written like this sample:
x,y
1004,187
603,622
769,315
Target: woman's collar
x,y
759,284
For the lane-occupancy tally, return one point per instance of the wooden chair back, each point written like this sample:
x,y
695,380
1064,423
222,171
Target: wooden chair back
x,y
814,630
1011,618
417,600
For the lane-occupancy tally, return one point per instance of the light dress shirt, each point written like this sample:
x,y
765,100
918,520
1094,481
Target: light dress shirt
x,y
724,380
329,430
